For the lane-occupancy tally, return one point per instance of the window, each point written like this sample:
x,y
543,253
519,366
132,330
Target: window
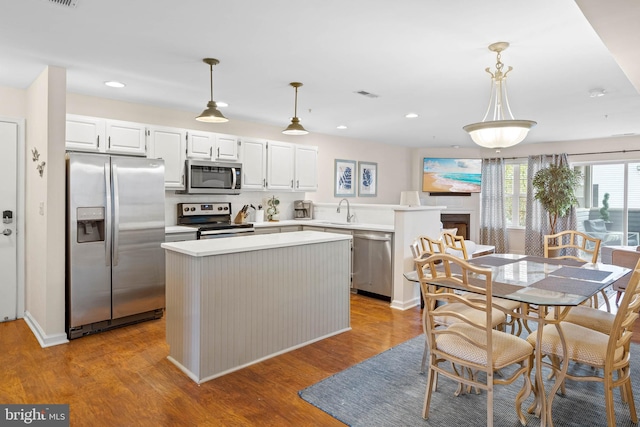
x,y
515,198
611,193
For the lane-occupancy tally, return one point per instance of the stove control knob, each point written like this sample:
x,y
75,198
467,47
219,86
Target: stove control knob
x,y
193,209
220,208
186,209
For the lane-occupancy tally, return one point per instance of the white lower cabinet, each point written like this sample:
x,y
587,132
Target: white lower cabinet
x,y
168,144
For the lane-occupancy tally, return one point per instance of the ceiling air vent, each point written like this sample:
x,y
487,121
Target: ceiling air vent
x,y
67,3
367,94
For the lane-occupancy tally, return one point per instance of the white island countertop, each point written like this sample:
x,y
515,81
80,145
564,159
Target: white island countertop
x,y
203,248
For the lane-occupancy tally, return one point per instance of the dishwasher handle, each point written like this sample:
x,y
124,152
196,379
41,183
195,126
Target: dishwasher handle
x,y
372,237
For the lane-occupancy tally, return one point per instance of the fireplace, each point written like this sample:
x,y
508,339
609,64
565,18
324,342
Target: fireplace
x,y
459,221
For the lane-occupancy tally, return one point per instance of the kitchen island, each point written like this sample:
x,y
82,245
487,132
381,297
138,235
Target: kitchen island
x,y
237,301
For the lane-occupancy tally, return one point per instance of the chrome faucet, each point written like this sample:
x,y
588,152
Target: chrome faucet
x,y
349,216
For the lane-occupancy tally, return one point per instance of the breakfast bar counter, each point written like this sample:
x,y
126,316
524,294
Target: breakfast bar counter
x,y
232,302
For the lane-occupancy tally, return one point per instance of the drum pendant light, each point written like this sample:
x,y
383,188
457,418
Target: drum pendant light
x,y
211,114
501,130
295,128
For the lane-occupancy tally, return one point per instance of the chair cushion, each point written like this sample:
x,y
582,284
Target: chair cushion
x,y
507,348
584,345
597,320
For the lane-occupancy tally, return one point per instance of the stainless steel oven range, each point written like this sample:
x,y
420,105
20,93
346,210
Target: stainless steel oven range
x,y
213,220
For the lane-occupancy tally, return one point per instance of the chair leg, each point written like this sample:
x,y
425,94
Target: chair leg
x,y
608,399
424,356
618,295
632,405
427,396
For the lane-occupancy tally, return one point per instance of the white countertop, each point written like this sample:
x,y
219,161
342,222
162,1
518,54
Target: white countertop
x,y
326,224
253,242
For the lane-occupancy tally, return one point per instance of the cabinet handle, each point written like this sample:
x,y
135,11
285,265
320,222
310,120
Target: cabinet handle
x,y
210,151
109,145
182,179
218,152
298,184
291,183
98,141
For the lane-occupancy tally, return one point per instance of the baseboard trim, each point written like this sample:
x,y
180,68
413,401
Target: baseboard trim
x,y
44,339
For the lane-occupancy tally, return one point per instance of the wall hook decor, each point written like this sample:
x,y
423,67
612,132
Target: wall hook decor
x,y
35,158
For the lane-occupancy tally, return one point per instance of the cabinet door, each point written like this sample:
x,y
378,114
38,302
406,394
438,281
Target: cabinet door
x,y
200,145
280,166
84,133
253,155
306,168
226,147
126,137
168,144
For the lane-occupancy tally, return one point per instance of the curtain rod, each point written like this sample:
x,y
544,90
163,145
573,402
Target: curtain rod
x,y
583,154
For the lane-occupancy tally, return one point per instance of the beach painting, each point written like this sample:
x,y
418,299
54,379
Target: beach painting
x,y
451,175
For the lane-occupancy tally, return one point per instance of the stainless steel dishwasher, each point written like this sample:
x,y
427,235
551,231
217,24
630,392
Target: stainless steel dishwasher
x,y
372,267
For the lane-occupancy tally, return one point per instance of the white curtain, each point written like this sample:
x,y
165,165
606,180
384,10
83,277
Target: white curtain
x,y
493,224
537,219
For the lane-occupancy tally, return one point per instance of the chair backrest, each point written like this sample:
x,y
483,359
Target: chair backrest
x,y
622,329
571,241
461,275
455,245
627,259
430,245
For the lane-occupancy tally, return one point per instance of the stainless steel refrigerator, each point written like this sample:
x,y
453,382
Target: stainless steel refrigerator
x,y
115,225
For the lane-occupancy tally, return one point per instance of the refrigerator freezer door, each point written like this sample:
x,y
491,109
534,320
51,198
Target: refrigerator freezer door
x,y
88,251
138,231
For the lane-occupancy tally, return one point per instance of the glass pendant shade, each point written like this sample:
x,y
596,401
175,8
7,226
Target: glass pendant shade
x,y
211,114
503,130
295,128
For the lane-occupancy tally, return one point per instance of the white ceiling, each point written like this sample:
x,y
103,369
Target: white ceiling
x,y
421,56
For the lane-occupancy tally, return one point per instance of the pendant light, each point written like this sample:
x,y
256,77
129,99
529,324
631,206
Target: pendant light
x,y
502,130
211,114
295,128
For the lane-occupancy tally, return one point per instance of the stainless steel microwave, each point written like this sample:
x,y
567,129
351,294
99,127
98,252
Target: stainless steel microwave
x,y
204,177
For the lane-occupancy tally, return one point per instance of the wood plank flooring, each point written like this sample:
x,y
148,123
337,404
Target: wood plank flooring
x,y
122,377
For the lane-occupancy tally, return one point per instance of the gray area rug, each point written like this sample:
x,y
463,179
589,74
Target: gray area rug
x,y
388,390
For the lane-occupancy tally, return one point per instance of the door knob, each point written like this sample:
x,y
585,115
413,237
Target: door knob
x,y
7,232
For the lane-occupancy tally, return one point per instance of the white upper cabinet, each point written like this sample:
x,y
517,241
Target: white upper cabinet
x,y
212,146
169,144
85,133
200,144
306,168
253,155
280,156
105,136
226,147
126,137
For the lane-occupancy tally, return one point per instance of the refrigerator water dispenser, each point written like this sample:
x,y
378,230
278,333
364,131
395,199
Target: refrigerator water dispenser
x,y
90,224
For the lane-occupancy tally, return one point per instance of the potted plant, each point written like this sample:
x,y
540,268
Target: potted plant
x,y
604,211
554,188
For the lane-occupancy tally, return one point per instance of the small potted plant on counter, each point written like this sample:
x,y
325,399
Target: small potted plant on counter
x,y
273,214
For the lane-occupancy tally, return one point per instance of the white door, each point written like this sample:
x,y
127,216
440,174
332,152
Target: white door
x,y
8,204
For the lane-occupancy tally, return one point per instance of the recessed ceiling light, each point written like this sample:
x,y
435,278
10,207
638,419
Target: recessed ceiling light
x,y
411,116
115,84
222,104
342,127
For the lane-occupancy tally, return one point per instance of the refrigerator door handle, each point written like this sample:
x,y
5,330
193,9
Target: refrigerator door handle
x,y
116,215
107,240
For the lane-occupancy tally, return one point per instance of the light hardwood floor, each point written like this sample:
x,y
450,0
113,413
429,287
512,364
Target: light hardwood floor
x,y
122,377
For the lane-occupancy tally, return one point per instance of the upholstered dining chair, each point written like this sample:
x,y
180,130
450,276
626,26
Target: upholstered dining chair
x,y
608,354
425,272
455,245
469,346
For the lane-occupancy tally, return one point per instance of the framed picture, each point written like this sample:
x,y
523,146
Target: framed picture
x,y
345,178
367,179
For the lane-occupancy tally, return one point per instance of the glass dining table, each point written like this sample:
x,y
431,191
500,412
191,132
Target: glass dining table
x,y
543,284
